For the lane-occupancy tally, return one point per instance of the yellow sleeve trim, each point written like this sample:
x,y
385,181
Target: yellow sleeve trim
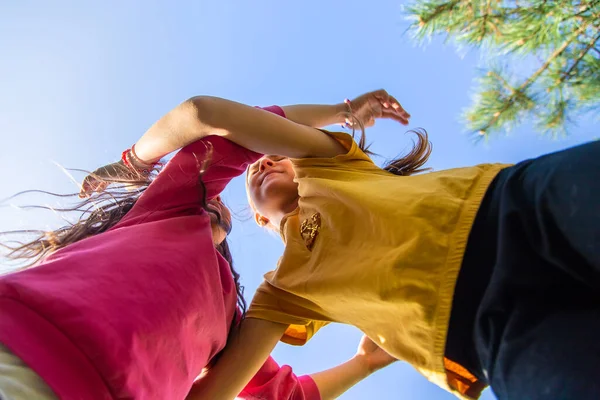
x,y
298,332
346,140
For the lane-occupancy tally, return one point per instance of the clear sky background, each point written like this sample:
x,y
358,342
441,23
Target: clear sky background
x,y
81,81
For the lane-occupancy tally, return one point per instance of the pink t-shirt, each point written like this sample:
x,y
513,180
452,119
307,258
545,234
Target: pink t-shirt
x,y
140,310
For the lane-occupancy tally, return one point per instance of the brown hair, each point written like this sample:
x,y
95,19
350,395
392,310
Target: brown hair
x,y
409,164
97,214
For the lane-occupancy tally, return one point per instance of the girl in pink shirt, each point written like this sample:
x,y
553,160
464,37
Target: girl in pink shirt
x,y
139,297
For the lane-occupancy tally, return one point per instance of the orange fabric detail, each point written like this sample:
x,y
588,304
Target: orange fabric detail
x,y
296,334
462,380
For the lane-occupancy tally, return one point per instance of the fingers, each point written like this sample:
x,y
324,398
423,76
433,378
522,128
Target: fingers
x,y
394,115
377,104
101,187
391,103
91,185
395,104
86,187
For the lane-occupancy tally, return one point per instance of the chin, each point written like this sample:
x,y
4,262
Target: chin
x,y
276,185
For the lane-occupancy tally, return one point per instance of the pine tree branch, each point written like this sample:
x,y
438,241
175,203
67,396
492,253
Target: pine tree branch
x,y
580,57
485,20
503,81
553,56
562,35
498,114
439,10
533,77
586,9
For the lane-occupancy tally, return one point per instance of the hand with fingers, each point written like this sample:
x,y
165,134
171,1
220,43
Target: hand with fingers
x,y
116,172
374,356
374,105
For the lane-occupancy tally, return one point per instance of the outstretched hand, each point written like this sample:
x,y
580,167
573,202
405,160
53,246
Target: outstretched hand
x,y
374,105
99,180
374,356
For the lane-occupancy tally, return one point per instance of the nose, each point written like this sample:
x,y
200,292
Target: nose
x,y
218,198
265,163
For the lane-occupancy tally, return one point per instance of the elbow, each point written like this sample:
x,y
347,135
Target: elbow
x,y
198,107
198,101
205,110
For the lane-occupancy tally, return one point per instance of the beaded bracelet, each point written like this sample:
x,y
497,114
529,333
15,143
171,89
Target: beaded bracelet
x,y
130,153
349,104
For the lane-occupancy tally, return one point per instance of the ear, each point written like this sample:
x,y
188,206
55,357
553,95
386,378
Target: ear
x,y
260,220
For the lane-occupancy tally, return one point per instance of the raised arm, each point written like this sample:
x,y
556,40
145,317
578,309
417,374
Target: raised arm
x,y
262,131
317,115
367,107
250,346
250,127
201,116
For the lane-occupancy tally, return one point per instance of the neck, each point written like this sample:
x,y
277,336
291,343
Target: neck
x,y
278,216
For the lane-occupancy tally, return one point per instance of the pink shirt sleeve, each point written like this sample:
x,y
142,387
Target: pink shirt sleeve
x,y
178,184
275,110
279,383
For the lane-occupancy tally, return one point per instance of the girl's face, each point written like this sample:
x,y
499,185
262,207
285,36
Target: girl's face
x,y
220,220
271,188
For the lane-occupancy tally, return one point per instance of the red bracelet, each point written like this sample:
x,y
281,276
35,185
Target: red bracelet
x,y
139,160
131,153
124,158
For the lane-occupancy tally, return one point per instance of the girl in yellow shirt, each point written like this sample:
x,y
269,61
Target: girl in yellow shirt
x,y
481,275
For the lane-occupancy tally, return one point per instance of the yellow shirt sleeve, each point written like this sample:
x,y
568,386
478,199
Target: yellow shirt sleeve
x,y
346,140
354,157
302,316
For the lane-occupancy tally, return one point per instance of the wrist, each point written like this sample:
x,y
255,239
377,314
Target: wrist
x,y
131,160
142,155
341,113
362,365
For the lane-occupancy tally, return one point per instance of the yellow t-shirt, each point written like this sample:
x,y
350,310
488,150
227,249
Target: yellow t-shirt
x,y
378,251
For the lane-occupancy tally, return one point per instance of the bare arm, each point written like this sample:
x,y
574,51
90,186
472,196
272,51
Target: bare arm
x,y
249,347
262,131
369,358
367,108
249,127
246,351
201,116
253,128
333,382
317,115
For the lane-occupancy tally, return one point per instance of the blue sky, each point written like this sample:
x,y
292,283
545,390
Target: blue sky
x,y
81,81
